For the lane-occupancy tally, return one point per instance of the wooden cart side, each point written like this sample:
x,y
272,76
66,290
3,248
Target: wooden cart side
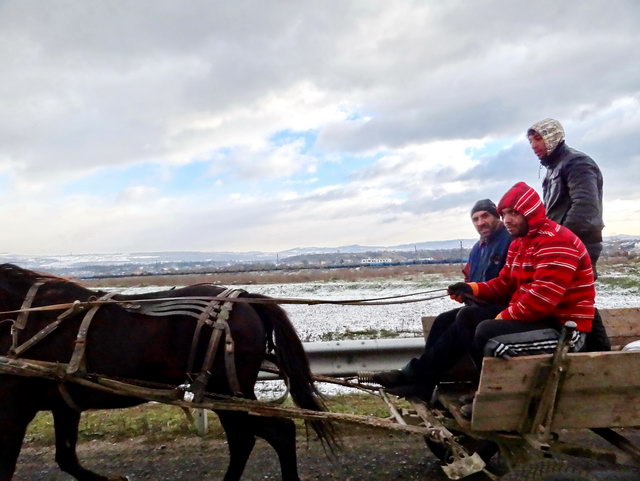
x,y
598,390
623,325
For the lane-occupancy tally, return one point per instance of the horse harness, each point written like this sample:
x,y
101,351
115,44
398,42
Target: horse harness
x,y
212,313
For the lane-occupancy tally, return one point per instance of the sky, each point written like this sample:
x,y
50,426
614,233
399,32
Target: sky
x,y
155,125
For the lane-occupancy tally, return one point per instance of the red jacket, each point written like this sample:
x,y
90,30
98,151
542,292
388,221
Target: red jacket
x,y
548,271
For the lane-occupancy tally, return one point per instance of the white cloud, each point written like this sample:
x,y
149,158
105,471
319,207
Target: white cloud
x,y
401,97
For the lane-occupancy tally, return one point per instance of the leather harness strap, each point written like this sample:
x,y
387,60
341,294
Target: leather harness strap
x,y
229,346
21,321
77,364
48,329
220,326
204,319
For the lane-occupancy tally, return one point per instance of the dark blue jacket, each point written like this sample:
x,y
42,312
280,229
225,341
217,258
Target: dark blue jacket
x,y
487,258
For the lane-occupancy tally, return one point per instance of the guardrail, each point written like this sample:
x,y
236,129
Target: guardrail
x,y
346,358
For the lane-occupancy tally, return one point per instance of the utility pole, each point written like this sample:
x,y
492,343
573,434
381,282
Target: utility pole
x,y
461,254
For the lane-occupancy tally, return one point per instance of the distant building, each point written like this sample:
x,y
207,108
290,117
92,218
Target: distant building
x,y
375,261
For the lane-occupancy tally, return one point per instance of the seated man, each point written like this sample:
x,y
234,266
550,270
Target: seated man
x,y
486,259
546,281
489,254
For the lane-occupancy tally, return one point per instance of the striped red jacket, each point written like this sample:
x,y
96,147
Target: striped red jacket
x,y
548,271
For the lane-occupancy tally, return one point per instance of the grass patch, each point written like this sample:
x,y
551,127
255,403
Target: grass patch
x,y
621,282
160,422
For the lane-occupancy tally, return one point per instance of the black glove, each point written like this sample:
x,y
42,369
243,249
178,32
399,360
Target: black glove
x,y
459,289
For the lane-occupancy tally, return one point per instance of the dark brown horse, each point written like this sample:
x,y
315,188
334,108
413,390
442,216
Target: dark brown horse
x,y
150,348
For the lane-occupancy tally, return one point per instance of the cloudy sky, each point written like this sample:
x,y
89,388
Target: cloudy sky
x,y
251,125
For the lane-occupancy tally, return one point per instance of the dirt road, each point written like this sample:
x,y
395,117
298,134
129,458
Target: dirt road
x,y
371,456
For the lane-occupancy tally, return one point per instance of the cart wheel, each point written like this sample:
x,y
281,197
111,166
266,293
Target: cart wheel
x,y
548,470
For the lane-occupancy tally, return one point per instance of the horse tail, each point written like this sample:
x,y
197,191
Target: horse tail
x,y
294,367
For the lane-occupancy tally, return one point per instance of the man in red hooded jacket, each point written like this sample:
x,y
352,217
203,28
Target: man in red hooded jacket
x,y
546,281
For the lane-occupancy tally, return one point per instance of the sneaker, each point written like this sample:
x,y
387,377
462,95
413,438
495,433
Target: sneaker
x,y
388,379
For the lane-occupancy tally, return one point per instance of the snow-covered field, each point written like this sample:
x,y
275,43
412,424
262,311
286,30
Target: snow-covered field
x,y
617,287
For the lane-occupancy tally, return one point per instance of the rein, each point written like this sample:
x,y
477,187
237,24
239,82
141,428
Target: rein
x,y
135,304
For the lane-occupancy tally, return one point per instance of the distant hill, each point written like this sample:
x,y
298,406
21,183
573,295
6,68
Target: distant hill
x,y
429,245
89,265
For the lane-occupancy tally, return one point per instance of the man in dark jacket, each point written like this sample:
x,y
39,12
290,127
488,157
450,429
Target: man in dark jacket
x,y
572,191
572,187
489,254
486,259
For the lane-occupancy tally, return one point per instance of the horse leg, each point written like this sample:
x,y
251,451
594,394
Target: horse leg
x,y
280,433
66,422
240,439
14,420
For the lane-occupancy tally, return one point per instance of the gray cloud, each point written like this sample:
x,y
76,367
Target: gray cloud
x,y
87,85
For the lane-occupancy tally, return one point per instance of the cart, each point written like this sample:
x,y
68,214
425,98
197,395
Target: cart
x,y
529,408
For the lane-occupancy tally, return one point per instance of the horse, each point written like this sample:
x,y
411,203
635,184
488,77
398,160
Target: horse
x,y
155,348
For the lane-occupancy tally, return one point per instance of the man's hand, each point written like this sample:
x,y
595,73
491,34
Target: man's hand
x,y
459,291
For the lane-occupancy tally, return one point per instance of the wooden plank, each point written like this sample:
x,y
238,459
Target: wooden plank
x,y
622,322
599,390
427,324
449,396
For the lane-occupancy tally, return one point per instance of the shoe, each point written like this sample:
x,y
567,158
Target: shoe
x,y
466,411
408,391
389,379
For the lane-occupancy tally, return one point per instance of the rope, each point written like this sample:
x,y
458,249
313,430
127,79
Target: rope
x,y
131,303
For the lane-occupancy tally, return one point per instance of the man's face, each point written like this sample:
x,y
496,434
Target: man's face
x,y
485,222
537,145
515,223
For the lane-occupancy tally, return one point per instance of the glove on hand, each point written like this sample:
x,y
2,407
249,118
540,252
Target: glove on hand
x,y
458,291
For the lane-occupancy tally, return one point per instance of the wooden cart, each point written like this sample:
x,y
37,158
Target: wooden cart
x,y
528,409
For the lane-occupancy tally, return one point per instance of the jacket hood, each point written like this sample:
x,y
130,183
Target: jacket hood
x,y
551,132
526,201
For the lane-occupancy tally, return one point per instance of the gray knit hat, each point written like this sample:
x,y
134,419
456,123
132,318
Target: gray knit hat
x,y
551,132
485,204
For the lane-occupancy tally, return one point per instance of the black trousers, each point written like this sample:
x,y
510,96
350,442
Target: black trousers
x,y
469,330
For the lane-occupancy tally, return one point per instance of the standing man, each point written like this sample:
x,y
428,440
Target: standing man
x,y
572,190
486,259
572,187
546,281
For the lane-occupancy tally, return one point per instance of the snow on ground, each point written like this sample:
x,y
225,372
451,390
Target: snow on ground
x,y
615,289
318,322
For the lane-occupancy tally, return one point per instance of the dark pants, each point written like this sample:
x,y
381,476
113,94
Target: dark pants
x,y
594,250
466,330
